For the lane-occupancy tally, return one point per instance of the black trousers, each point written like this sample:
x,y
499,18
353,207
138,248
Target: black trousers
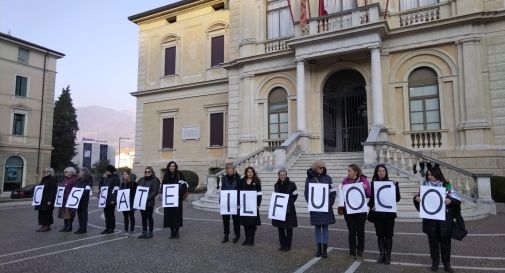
x,y
82,216
110,217
384,227
285,236
46,217
440,247
250,232
147,216
356,227
129,220
236,224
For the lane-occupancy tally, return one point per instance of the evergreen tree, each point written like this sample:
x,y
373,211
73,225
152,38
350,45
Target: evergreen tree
x,y
65,129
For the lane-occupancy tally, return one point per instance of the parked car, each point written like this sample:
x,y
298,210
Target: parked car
x,y
26,192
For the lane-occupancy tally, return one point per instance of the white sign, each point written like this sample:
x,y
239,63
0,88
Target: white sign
x,y
102,196
384,196
228,203
123,200
74,198
278,206
341,196
58,203
432,205
141,198
170,196
37,195
248,203
355,199
319,197
191,133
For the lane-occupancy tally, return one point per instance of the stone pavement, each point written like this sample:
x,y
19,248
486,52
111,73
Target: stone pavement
x,y
200,250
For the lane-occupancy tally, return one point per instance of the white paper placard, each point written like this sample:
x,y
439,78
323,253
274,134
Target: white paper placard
x,y
170,196
319,197
58,203
74,198
248,203
37,195
432,205
141,198
228,202
355,198
384,196
278,206
123,200
102,196
341,202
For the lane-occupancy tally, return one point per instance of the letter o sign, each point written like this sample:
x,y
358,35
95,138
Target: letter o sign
x,y
439,207
361,195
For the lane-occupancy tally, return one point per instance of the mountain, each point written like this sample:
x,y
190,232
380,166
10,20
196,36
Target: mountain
x,y
108,124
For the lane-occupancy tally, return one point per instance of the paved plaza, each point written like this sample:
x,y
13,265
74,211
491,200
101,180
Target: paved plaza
x,y
200,249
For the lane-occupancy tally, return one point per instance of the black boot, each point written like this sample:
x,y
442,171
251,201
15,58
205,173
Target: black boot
x,y
324,254
380,243
65,225
177,233
143,235
319,251
389,246
251,241
226,238
149,234
236,238
69,227
246,241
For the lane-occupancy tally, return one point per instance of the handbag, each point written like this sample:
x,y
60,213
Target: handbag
x,y
371,216
458,228
340,210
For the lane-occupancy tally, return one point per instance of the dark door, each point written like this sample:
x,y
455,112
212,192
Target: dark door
x,y
344,112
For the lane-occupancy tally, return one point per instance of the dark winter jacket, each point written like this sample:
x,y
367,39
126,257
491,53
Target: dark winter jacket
x,y
154,187
132,185
68,183
254,186
172,217
380,214
83,183
321,218
287,187
50,184
111,181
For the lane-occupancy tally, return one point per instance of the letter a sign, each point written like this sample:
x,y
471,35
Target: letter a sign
x,y
228,203
123,200
319,197
432,203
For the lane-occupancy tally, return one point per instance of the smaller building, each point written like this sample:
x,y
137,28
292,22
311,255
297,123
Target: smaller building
x,y
90,151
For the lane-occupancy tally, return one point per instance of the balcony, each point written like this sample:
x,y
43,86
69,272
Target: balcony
x,y
421,140
276,44
420,16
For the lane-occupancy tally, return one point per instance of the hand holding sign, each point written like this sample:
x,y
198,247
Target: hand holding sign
x,y
384,196
170,195
278,206
228,203
355,199
37,195
432,205
319,197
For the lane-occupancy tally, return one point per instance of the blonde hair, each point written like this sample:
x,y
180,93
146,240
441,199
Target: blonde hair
x,y
317,164
70,170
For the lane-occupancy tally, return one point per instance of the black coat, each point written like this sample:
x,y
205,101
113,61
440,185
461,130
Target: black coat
x,y
254,186
49,193
172,217
153,183
82,183
430,226
133,189
316,217
287,187
380,214
111,181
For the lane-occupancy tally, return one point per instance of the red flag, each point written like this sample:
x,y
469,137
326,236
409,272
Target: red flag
x,y
322,11
304,13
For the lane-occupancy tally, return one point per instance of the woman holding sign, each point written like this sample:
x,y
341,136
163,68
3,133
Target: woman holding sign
x,y
67,214
384,222
320,219
46,206
153,183
230,182
439,231
356,221
128,216
172,217
250,182
85,181
285,228
110,181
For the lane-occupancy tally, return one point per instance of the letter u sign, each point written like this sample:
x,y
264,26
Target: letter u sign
x,y
319,197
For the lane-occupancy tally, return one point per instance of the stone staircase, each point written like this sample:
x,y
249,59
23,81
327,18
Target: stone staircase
x,y
336,165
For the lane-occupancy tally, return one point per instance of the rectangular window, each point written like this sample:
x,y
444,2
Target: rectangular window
x,y
23,55
168,134
21,83
103,152
18,128
217,130
170,61
279,22
217,51
412,4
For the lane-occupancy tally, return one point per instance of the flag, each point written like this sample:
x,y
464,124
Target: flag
x,y
322,10
304,13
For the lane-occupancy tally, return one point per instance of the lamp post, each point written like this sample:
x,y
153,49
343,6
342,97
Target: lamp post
x,y
119,148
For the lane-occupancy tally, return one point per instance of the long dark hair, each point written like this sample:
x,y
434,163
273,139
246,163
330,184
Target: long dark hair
x,y
255,177
437,173
168,174
376,173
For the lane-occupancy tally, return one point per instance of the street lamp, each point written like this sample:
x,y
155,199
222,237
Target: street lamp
x,y
119,148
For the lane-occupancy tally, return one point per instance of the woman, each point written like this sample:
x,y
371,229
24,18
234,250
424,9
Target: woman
x,y
439,232
85,181
111,180
321,220
172,217
356,222
251,182
153,183
64,213
46,206
285,228
230,182
129,216
384,222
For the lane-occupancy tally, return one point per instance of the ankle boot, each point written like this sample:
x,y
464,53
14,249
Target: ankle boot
x,y
382,254
324,254
246,241
388,247
226,238
65,225
319,251
69,227
143,235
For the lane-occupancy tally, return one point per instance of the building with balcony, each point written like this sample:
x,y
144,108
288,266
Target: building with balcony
x,y
27,79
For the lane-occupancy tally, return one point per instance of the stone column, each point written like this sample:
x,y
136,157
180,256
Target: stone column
x,y
300,96
376,79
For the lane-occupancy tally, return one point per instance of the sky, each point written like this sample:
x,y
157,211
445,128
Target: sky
x,y
100,44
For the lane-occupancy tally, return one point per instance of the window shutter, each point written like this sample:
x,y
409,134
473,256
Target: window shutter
x,y
168,134
217,51
170,61
217,129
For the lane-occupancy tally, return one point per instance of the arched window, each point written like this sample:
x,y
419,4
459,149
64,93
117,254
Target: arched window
x,y
13,177
278,114
424,100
